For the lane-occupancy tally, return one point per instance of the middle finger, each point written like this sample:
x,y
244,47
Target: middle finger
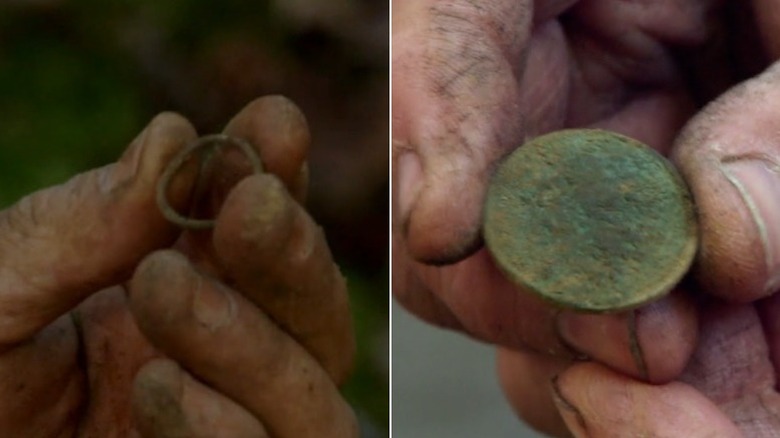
x,y
229,344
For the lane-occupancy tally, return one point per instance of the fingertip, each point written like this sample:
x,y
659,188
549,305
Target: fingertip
x,y
595,401
160,282
157,375
438,217
666,334
728,156
258,215
409,180
165,135
652,343
574,403
444,224
156,400
278,128
571,416
432,234
171,124
168,403
159,268
524,379
172,120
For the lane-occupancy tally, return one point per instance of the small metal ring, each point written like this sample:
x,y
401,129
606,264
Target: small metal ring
x,y
212,141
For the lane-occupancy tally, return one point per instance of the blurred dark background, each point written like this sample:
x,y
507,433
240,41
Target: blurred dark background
x,y
80,78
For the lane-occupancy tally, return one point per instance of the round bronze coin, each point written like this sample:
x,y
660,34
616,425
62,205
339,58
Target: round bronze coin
x,y
590,220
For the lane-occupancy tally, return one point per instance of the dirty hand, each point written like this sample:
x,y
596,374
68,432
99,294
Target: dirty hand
x,y
240,331
473,79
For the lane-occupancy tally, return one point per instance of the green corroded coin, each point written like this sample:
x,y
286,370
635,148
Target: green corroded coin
x,y
590,220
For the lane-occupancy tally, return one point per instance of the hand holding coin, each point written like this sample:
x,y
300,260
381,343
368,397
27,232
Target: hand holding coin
x,y
473,83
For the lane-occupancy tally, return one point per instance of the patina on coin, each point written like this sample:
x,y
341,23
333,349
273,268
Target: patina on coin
x,y
590,220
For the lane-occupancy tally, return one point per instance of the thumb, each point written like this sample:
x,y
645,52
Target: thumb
x,y
455,102
63,243
730,156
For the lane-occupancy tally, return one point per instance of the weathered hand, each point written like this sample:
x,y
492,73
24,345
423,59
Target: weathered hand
x,y
239,331
473,80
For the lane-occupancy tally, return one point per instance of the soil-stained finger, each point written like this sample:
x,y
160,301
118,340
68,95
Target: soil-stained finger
x,y
229,344
279,131
274,253
169,403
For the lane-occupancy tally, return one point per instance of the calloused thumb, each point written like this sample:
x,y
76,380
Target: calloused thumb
x,y
59,245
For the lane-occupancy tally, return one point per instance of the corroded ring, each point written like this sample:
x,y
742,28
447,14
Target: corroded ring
x,y
207,143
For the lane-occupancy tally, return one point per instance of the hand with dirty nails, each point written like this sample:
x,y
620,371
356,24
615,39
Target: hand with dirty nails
x,y
114,322
694,79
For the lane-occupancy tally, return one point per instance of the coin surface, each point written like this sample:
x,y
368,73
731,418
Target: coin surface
x,y
590,220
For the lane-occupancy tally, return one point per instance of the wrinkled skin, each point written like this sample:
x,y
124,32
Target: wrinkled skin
x,y
694,79
115,323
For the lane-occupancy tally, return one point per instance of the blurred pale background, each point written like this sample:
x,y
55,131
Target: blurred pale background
x,y
444,385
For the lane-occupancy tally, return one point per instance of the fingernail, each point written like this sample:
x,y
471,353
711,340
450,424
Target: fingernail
x,y
577,330
300,187
635,346
213,306
758,183
162,376
269,222
291,118
126,168
609,339
132,156
156,399
409,177
568,411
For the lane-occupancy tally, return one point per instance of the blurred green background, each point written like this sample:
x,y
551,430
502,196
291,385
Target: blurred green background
x,y
79,79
